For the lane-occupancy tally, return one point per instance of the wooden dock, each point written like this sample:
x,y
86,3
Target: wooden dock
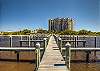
x,y
52,59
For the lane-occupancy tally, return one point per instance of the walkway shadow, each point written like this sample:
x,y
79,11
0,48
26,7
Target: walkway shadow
x,y
59,64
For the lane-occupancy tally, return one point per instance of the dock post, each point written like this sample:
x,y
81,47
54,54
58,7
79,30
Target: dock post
x,y
60,44
77,39
37,55
75,44
17,56
73,38
68,54
20,43
29,41
10,40
11,43
84,43
57,40
45,43
95,47
87,56
70,37
21,38
95,41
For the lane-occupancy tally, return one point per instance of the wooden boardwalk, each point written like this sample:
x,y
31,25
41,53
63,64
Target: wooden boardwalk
x,y
52,59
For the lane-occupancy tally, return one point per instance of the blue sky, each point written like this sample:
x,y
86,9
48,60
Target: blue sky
x,y
20,14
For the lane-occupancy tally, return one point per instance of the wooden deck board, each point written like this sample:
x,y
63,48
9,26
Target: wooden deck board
x,y
52,59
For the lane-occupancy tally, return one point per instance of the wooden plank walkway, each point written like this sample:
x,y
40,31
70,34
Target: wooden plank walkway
x,y
52,59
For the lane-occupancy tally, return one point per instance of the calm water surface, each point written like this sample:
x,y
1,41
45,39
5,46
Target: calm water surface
x,y
85,67
28,66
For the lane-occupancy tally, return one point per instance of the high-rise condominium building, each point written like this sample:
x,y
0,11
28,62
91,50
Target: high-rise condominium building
x,y
60,24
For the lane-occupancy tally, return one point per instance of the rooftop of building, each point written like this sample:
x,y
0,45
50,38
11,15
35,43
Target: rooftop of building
x,y
61,18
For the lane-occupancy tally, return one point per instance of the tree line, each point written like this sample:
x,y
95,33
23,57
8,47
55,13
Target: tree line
x,y
42,31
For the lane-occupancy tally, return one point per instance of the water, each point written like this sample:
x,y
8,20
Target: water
x,y
14,66
85,67
9,61
28,65
8,58
79,57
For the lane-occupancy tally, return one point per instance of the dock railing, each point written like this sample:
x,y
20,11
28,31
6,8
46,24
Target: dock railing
x,y
37,48
68,49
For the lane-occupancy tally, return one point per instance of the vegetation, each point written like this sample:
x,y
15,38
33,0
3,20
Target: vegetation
x,y
25,32
80,32
42,31
68,32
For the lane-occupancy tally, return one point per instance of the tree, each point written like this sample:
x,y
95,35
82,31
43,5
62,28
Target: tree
x,y
83,32
25,31
68,32
97,33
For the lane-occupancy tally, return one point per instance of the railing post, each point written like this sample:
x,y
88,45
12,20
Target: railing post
x,y
29,40
10,40
77,40
57,40
95,41
17,56
21,38
75,44
84,42
37,55
70,37
68,54
45,43
60,44
95,47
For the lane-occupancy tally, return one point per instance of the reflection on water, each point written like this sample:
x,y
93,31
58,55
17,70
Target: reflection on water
x,y
14,66
79,56
28,66
85,67
9,61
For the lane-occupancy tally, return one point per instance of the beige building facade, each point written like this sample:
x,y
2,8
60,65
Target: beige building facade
x,y
60,24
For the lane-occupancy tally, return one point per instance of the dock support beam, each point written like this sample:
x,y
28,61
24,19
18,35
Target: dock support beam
x,y
87,56
17,56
